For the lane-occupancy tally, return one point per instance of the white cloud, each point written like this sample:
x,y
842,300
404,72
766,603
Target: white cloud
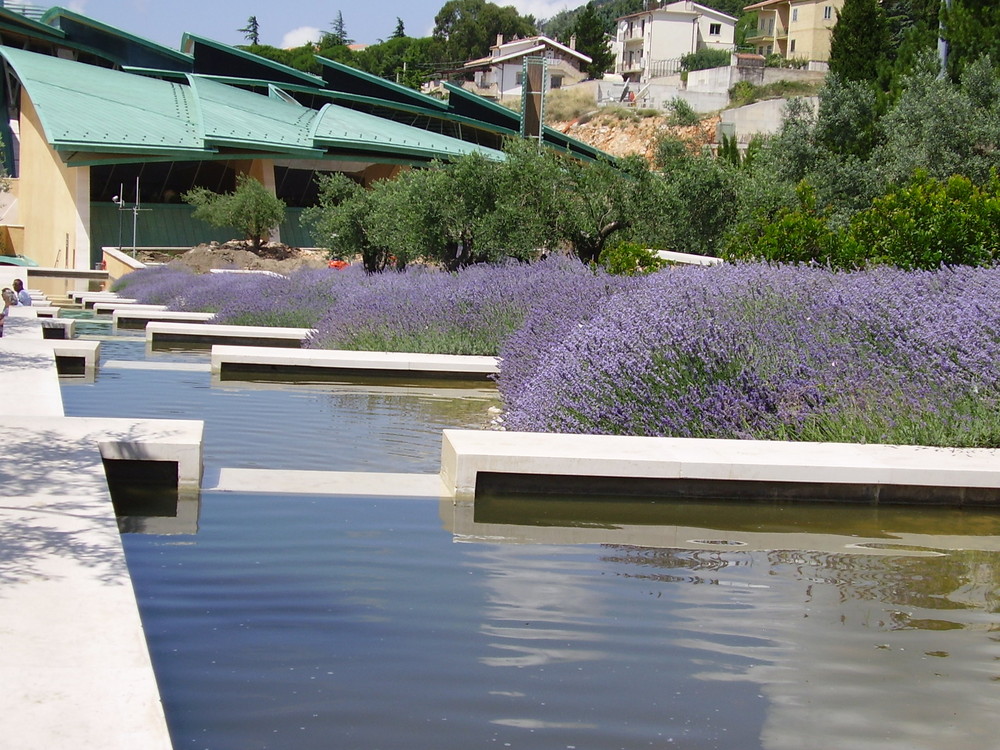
x,y
77,6
301,35
543,9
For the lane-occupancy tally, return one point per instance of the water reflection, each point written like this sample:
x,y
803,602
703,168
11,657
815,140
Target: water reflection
x,y
877,632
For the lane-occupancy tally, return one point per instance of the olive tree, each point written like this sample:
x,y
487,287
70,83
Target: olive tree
x,y
250,209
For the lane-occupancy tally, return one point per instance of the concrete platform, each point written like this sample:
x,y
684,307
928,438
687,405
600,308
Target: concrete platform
x,y
28,378
57,328
160,332
231,360
326,483
688,259
476,461
137,319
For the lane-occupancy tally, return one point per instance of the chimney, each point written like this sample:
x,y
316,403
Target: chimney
x,y
499,39
572,42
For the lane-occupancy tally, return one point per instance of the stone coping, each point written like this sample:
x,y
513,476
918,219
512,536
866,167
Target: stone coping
x,y
92,298
109,307
128,318
236,358
737,469
78,295
26,354
256,336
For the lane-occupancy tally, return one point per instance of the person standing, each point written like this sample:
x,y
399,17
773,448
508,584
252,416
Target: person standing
x,y
23,298
9,298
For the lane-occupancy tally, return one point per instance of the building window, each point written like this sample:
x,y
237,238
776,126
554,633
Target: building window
x,y
791,46
714,29
795,14
827,12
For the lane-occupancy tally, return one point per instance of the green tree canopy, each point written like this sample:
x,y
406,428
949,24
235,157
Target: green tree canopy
x,y
592,40
860,41
470,27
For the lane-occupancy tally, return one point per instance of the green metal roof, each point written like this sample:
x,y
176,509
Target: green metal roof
x,y
84,107
114,43
236,118
339,126
23,24
472,105
239,58
350,80
105,113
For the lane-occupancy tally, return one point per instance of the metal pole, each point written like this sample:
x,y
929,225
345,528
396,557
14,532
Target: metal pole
x,y
135,216
119,201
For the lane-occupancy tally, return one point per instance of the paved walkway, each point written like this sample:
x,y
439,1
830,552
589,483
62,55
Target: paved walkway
x,y
76,672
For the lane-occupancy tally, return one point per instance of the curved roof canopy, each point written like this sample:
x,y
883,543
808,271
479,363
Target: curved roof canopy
x,y
97,115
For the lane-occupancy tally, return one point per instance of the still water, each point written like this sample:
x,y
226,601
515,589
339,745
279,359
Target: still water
x,y
338,622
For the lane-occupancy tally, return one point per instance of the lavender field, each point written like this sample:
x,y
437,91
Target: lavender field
x,y
739,351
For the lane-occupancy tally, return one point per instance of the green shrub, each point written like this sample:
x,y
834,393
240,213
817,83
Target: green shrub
x,y
681,113
630,259
706,58
792,235
928,223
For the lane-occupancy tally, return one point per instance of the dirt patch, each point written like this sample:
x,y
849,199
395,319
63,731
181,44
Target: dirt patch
x,y
281,259
624,137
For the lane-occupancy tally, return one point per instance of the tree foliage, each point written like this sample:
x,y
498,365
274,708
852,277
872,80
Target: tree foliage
x,y
337,35
250,208
592,40
972,28
705,58
251,31
468,28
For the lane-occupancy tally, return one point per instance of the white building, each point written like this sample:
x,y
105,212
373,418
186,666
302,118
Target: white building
x,y
499,74
650,44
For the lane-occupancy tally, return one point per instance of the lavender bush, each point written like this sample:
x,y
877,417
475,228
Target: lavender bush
x,y
772,352
737,351
469,312
296,301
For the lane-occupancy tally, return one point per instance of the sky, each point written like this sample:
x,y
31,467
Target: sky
x,y
288,23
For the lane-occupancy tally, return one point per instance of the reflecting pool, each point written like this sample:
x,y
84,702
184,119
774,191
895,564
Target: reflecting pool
x,y
302,621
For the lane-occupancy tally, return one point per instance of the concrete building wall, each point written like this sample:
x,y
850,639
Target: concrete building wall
x,y
759,118
54,200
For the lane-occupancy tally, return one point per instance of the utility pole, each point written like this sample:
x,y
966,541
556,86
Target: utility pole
x,y
943,45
